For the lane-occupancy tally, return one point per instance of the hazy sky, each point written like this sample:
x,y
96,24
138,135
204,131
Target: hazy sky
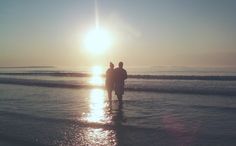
x,y
147,32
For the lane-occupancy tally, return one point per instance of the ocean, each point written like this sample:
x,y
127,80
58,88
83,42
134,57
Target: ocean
x,y
162,106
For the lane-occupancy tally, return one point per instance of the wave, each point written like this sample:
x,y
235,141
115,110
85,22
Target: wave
x,y
184,77
44,83
136,88
160,77
57,74
30,67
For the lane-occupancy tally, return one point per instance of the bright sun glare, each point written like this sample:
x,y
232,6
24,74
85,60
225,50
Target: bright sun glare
x,y
98,40
96,78
96,70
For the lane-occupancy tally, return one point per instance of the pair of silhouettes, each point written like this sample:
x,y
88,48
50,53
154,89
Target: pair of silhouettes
x,y
115,80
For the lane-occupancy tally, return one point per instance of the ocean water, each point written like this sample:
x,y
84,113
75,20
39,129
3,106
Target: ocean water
x,y
163,106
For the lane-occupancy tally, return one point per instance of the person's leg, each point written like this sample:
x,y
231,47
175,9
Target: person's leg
x,y
119,98
121,92
109,94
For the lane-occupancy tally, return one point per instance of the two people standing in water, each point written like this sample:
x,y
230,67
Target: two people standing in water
x,y
115,80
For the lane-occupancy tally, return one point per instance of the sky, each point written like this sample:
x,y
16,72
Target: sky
x,y
145,32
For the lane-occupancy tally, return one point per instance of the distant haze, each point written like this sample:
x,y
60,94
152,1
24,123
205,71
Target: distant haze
x,y
146,32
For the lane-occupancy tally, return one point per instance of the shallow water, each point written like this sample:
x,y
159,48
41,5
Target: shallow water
x,y
52,116
176,112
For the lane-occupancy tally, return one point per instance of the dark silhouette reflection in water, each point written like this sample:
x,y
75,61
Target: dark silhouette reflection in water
x,y
117,113
118,119
104,120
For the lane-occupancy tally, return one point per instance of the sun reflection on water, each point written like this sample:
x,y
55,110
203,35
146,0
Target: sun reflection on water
x,y
99,113
101,137
96,78
97,105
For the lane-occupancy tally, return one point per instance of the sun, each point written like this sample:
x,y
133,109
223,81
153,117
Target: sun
x,y
98,40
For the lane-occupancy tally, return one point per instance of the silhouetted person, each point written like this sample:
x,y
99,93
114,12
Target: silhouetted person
x,y
110,80
120,76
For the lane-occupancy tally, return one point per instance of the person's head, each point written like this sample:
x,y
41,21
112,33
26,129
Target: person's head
x,y
120,64
111,65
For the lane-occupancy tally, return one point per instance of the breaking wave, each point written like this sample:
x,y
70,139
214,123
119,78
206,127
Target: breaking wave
x,y
191,89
